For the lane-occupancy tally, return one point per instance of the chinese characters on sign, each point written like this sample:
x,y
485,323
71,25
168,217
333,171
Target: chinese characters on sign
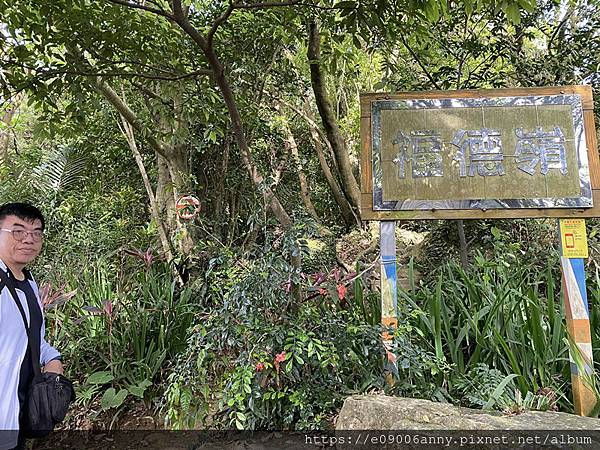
x,y
426,154
484,148
539,146
480,152
440,153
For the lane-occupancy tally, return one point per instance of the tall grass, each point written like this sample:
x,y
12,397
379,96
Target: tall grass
x,y
594,301
499,313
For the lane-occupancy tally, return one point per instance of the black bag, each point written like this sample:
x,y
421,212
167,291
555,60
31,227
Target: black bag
x,y
47,403
49,394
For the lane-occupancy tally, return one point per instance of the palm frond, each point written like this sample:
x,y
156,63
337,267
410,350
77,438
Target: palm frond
x,y
63,169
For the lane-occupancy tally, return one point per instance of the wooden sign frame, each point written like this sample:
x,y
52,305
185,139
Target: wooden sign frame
x,y
369,213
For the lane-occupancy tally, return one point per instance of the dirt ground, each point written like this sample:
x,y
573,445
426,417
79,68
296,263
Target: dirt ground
x,y
137,428
171,440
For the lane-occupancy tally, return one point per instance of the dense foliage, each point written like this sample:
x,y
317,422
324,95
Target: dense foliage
x,y
263,311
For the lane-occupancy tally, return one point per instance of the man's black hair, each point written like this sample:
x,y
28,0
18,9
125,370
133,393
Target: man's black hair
x,y
23,211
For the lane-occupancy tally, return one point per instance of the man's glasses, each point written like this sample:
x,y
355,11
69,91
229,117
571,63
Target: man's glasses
x,y
19,235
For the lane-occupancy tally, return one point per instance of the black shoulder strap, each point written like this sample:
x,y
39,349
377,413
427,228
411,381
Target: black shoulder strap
x,y
33,349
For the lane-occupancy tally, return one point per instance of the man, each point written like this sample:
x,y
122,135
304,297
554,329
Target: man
x,y
21,238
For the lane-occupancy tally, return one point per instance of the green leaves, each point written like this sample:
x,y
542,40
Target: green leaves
x,y
113,399
139,389
63,170
494,314
499,391
512,9
102,377
433,10
274,362
513,13
346,4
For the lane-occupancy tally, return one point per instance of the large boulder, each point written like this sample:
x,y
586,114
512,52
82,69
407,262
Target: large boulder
x,y
380,412
423,421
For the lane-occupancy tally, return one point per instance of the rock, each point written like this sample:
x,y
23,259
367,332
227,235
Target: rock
x,y
397,413
408,417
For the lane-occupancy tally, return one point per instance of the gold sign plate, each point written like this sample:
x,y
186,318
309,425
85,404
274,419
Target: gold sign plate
x,y
476,153
462,154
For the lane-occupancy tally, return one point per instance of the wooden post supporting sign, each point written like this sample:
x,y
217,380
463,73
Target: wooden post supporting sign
x,y
573,250
389,293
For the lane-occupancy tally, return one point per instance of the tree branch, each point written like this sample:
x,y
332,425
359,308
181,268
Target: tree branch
x,y
53,72
464,55
119,62
157,11
127,131
302,114
475,70
271,200
126,112
218,21
178,11
349,184
180,18
150,93
558,28
154,2
418,61
267,4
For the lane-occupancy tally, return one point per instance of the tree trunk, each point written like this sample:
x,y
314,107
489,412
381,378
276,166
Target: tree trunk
x,y
271,200
304,191
349,183
220,189
317,137
122,108
346,209
6,119
256,176
174,155
464,261
165,243
164,196
178,171
179,162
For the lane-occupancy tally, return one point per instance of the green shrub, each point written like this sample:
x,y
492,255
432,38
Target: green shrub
x,y
261,359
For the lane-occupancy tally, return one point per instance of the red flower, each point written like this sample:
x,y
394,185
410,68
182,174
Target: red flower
x,y
260,367
279,358
323,291
341,289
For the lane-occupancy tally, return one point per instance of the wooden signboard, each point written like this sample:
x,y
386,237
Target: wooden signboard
x,y
502,153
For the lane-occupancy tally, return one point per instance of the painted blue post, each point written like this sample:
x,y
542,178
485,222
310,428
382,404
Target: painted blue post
x,y
573,244
389,293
